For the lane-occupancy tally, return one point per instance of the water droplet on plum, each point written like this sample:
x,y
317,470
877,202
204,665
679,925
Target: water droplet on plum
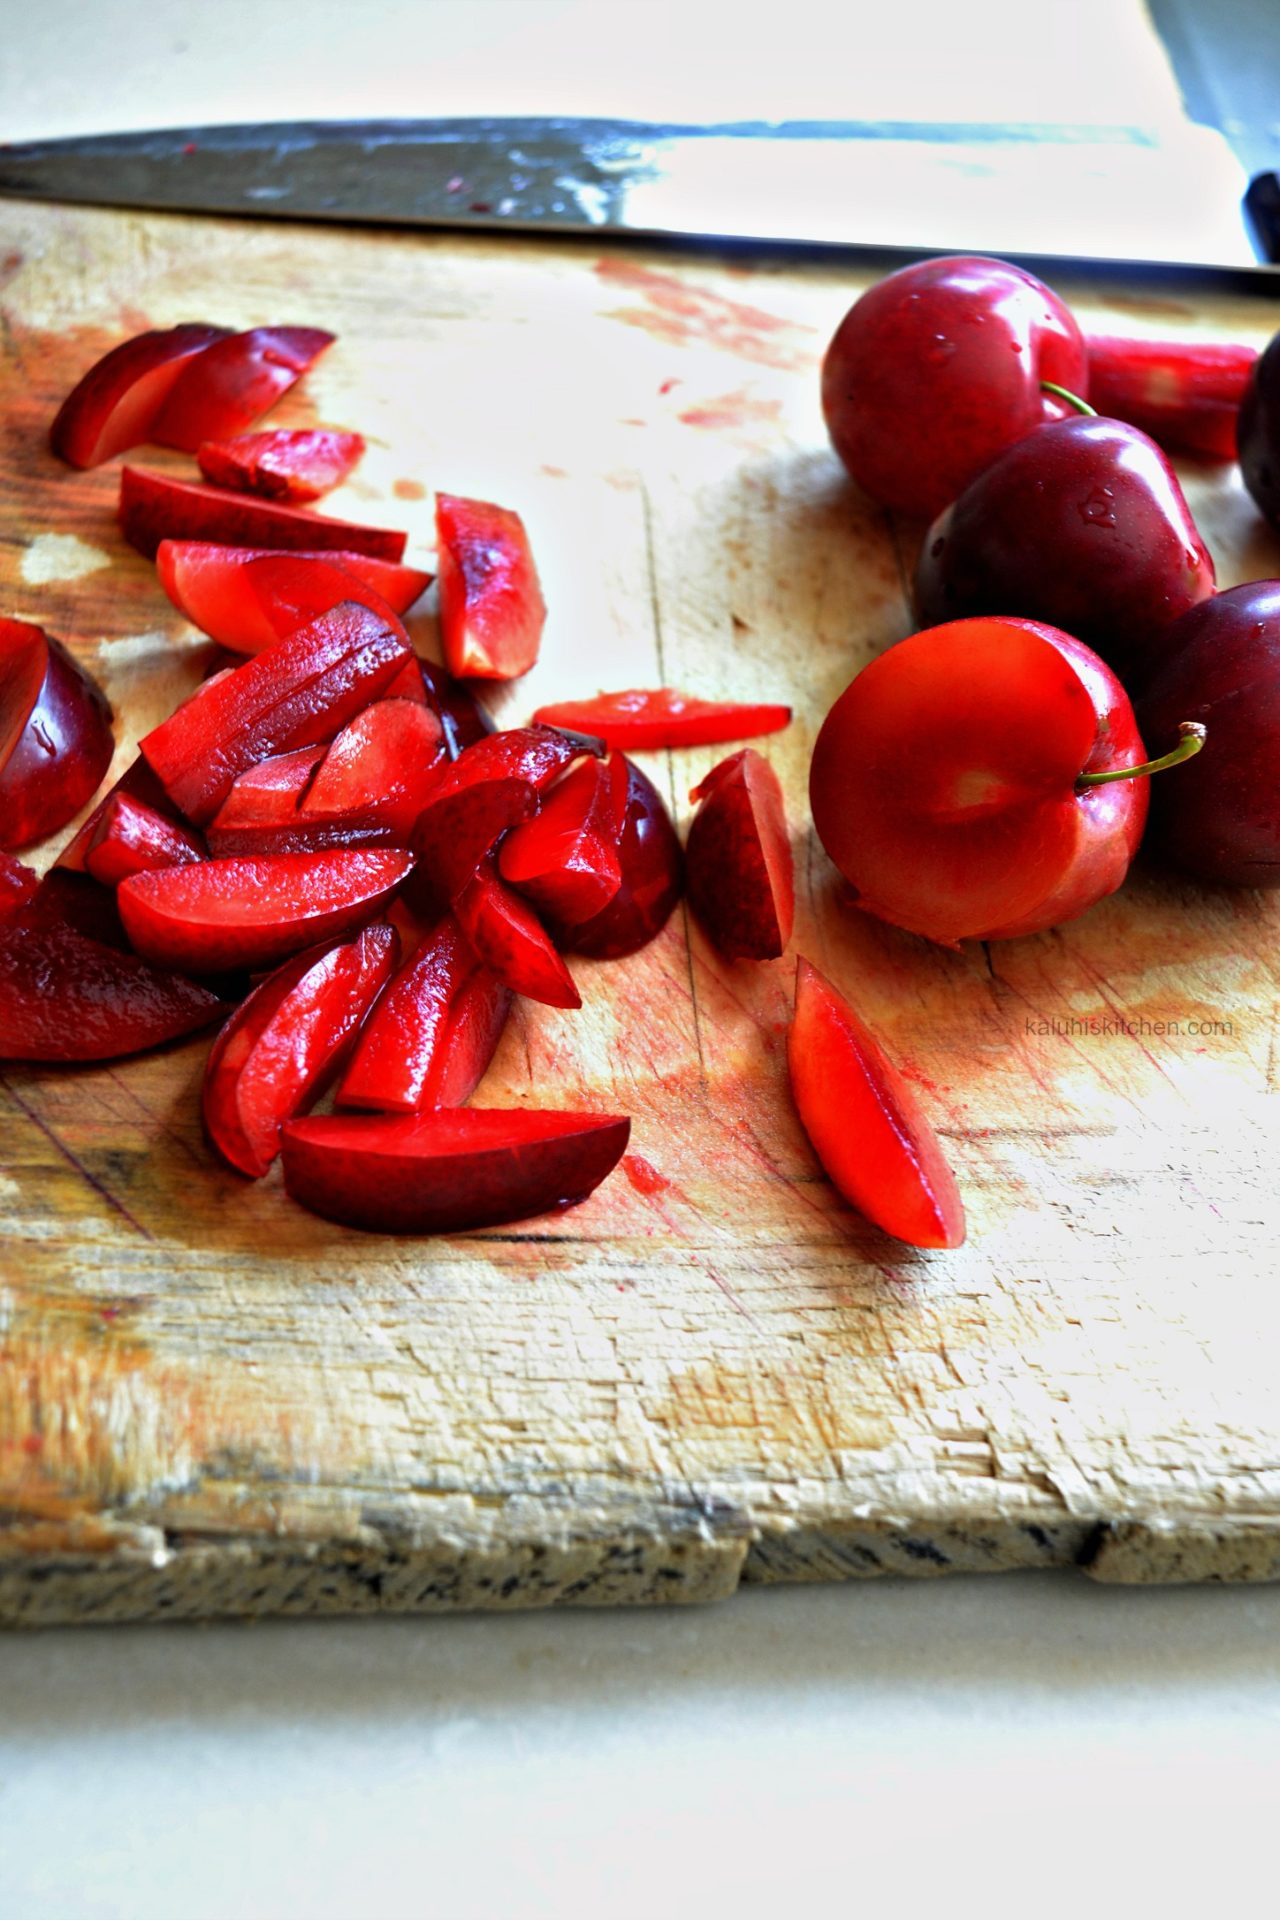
x,y
1098,509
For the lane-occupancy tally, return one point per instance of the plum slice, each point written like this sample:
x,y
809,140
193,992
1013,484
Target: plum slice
x,y
286,1040
508,936
296,693
131,837
71,902
380,770
114,405
864,1121
491,608
566,860
536,755
445,1171
738,869
647,717
138,782
652,878
251,913
234,382
65,996
246,597
55,735
433,1032
454,835
155,507
1185,393
295,466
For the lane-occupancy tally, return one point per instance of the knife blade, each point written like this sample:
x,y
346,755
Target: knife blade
x,y
1110,194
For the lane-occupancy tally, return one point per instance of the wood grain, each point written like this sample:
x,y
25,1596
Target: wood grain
x,y
211,1403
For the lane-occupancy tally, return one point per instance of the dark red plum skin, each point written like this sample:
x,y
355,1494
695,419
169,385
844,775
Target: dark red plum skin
x,y
1218,816
937,367
1082,525
652,880
62,751
1258,434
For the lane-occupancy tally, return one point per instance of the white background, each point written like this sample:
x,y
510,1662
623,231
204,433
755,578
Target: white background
x,y
1026,1744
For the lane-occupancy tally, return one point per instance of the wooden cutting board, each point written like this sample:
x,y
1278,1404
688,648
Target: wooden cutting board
x,y
712,1370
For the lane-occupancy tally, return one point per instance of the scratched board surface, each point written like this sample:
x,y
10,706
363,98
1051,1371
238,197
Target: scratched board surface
x,y
713,1370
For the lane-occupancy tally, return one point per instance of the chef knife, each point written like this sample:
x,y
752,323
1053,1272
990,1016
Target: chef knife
x,y
1127,193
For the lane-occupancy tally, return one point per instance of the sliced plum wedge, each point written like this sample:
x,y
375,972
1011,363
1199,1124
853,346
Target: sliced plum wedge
x,y
295,466
131,837
448,1170
508,936
652,878
380,770
297,693
234,382
286,1040
252,913
649,717
55,735
115,404
566,860
247,597
455,835
155,507
491,608
738,868
864,1121
66,996
433,1032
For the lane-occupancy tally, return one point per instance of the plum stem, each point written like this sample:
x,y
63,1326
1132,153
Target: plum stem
x,y
1072,399
1193,738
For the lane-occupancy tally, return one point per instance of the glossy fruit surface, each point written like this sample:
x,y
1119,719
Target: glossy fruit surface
x,y
454,835
55,735
234,382
937,368
155,507
1185,393
131,837
943,782
1082,525
244,598
252,913
1219,817
296,693
649,717
280,1045
66,996
536,755
445,1171
380,770
1259,433
738,867
566,859
652,879
510,939
865,1122
114,405
295,466
491,607
432,1033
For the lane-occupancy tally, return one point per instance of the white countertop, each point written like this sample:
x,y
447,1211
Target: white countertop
x,y
1024,1744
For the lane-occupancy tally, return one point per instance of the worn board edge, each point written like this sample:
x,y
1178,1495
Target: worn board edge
x,y
158,1578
